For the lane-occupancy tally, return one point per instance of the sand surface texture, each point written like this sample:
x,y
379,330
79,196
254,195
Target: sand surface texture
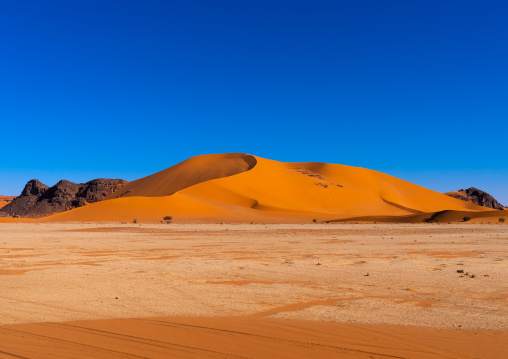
x,y
245,188
172,290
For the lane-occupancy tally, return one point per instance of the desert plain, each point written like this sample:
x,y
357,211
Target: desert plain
x,y
337,290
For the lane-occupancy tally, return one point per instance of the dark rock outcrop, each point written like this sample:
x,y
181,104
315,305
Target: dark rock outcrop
x,y
34,188
39,200
476,196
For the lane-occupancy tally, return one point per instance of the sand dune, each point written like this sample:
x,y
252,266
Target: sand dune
x,y
188,173
243,188
4,200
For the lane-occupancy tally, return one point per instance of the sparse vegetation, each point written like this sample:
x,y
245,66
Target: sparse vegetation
x,y
466,219
135,220
501,220
314,220
431,220
168,219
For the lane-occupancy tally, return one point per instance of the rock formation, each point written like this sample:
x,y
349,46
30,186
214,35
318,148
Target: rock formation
x,y
476,196
39,200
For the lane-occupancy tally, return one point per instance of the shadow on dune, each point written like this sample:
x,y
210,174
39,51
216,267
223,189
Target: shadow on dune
x,y
188,173
436,217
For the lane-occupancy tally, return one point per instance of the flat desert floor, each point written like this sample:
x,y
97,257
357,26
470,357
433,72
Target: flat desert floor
x,y
102,290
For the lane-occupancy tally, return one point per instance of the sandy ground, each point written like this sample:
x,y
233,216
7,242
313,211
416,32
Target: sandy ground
x,y
335,290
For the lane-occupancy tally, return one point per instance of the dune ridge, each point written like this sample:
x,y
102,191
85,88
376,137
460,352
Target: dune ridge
x,y
187,173
238,187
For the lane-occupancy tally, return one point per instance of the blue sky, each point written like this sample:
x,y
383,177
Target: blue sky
x,y
416,89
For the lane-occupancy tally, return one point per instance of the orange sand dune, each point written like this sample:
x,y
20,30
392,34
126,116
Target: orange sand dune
x,y
187,173
462,195
5,200
435,217
243,188
487,216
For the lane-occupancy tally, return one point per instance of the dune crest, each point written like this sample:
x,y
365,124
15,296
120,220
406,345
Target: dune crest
x,y
244,188
187,173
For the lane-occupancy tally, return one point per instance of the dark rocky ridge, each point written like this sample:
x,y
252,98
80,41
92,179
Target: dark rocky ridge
x,y
39,200
476,196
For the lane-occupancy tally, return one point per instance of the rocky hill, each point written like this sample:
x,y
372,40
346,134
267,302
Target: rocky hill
x,y
476,196
39,200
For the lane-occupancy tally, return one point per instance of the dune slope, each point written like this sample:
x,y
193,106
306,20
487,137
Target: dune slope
x,y
187,173
243,188
5,200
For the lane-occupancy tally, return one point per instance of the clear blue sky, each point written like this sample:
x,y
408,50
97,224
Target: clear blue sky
x,y
416,89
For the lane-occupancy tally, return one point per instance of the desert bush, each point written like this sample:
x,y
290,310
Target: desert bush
x,y
314,220
466,219
135,221
501,220
168,219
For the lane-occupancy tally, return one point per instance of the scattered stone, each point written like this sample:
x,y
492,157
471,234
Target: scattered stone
x,y
324,185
